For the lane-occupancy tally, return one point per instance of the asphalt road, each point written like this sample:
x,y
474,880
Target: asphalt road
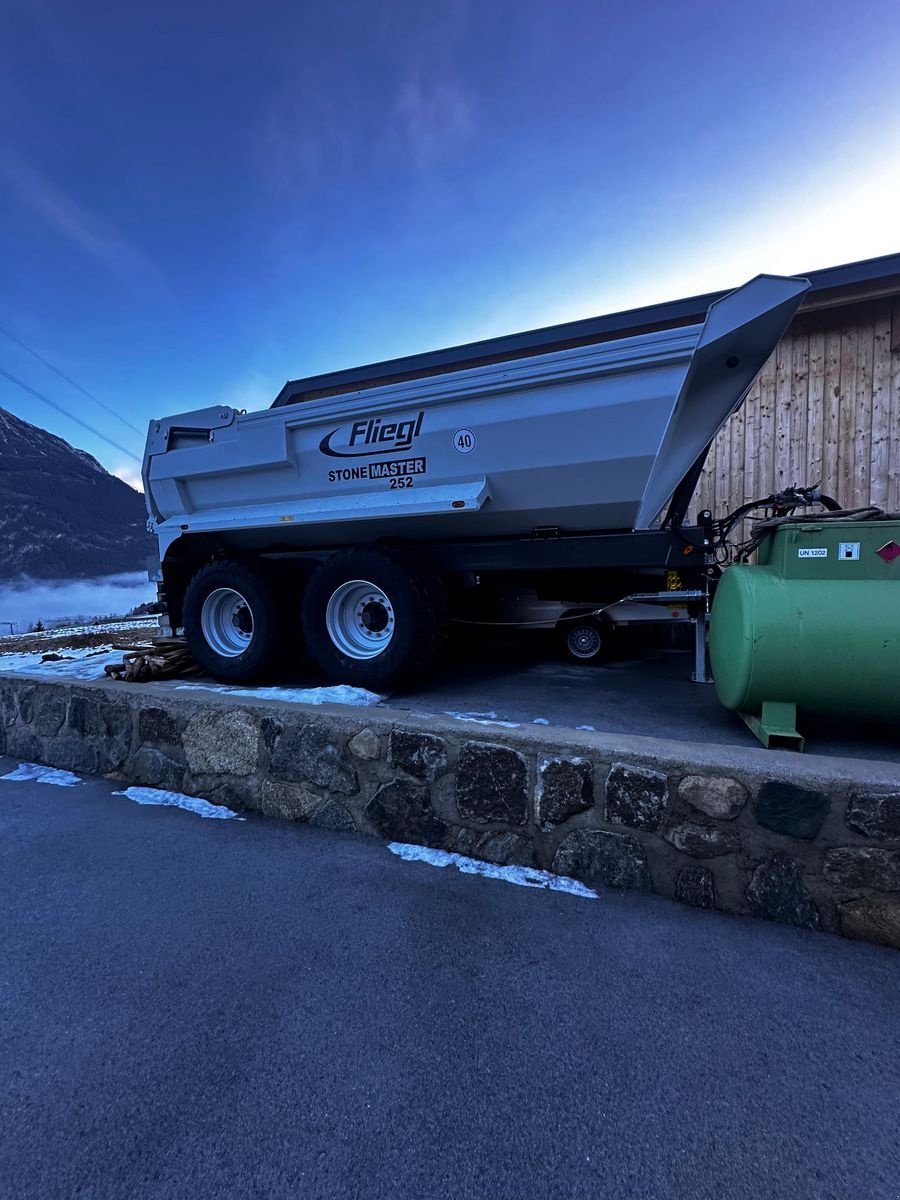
x,y
199,1008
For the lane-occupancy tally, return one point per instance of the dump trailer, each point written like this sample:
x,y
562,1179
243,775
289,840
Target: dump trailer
x,y
355,519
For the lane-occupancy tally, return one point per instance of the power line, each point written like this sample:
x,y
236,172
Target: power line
x,y
59,408
56,371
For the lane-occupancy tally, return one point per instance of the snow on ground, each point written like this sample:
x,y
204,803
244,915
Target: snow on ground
x,y
85,663
482,718
522,876
37,773
341,693
145,795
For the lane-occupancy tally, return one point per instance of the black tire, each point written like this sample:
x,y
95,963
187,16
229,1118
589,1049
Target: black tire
x,y
256,661
417,614
584,640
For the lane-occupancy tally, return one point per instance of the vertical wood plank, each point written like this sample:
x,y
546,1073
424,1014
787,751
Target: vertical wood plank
x,y
765,430
798,460
723,459
782,413
862,424
893,500
831,483
748,490
881,405
738,424
847,491
815,408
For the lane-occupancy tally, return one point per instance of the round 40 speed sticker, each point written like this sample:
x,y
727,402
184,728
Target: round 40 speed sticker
x,y
464,441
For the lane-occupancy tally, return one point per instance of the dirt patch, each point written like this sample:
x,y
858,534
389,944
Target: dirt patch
x,y
60,641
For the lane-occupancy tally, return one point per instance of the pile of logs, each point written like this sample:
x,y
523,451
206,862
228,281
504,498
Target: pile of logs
x,y
164,658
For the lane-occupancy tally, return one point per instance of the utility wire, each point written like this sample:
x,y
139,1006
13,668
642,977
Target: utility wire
x,y
56,371
59,408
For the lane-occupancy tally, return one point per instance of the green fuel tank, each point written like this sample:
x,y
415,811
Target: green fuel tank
x,y
813,625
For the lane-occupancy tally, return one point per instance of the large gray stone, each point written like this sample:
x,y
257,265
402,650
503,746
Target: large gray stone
x,y
335,817
156,726
702,841
308,752
116,719
874,814
152,768
270,728
419,754
863,867
776,893
25,704
873,919
234,793
71,754
507,849
717,796
22,744
365,745
695,886
615,860
794,811
401,811
49,711
9,707
290,802
564,787
636,796
222,742
114,741
490,784
83,716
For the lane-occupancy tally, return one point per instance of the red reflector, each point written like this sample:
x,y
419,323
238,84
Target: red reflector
x,y
889,551
458,504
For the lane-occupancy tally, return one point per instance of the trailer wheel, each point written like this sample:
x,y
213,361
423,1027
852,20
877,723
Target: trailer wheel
x,y
231,621
373,618
583,641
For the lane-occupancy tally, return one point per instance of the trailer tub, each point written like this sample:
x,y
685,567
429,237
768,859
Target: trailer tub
x,y
572,444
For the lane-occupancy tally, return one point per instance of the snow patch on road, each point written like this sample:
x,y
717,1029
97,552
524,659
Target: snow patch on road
x,y
521,876
481,718
586,728
341,693
145,795
38,773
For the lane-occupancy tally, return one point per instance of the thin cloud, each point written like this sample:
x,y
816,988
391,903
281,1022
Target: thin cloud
x,y
434,118
91,235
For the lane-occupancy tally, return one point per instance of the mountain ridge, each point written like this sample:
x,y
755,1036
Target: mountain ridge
x,y
62,515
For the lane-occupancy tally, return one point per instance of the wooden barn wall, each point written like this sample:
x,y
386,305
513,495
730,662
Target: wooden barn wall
x,y
826,407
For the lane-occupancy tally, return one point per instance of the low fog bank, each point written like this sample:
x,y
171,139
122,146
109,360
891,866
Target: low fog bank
x,y
25,601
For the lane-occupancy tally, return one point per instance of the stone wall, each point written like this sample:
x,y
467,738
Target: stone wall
x,y
811,842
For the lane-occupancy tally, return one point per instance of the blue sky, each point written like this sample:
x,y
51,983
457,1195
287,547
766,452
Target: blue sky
x,y
199,201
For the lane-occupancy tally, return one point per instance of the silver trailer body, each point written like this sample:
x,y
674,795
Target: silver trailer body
x,y
591,439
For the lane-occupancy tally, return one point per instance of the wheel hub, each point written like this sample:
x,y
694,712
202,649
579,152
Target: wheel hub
x,y
360,619
375,617
584,641
226,622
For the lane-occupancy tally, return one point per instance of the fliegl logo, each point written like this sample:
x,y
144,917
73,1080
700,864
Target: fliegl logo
x,y
371,435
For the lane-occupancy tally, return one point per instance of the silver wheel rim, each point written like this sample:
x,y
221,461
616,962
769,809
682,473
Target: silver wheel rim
x,y
583,641
360,619
226,621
